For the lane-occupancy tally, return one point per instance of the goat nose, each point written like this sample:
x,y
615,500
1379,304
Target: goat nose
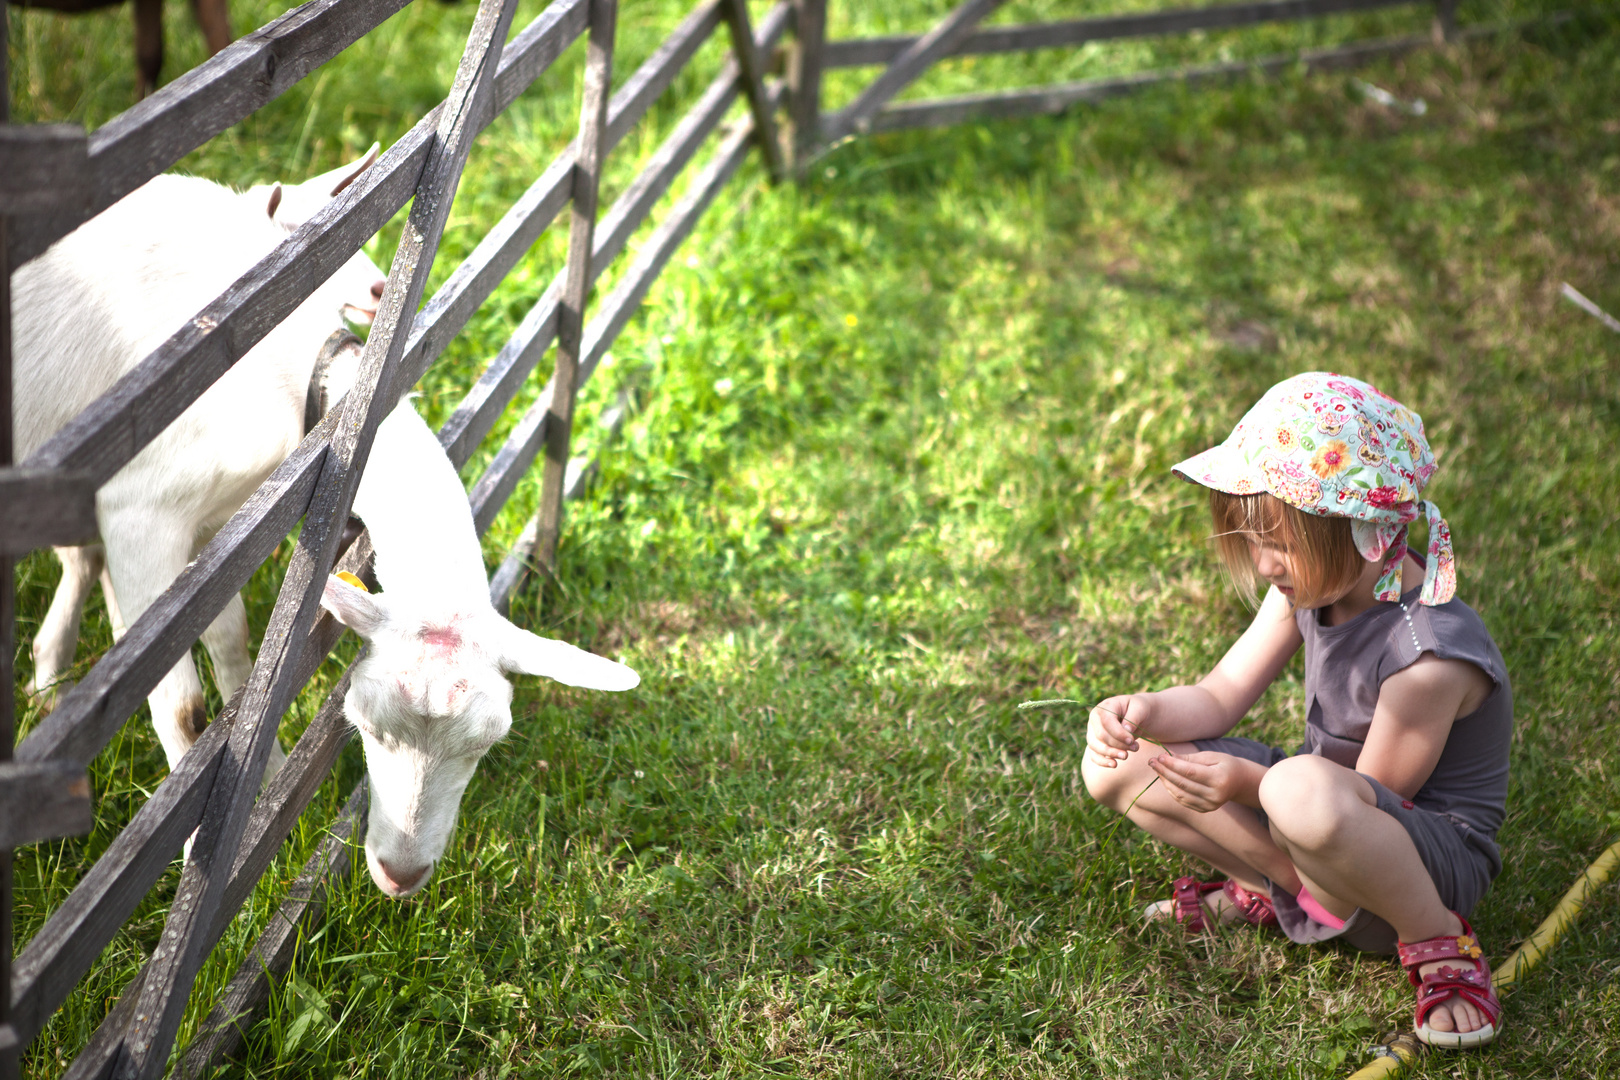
x,y
377,288
401,879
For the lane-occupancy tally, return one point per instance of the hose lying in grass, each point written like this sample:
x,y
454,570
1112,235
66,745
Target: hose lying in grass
x,y
1398,1051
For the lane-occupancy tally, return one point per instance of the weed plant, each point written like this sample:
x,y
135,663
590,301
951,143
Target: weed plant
x,y
900,461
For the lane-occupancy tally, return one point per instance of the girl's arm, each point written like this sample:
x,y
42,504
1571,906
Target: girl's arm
x,y
1212,706
1416,708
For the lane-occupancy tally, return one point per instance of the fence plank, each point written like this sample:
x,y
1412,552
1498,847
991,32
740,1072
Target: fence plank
x,y
180,797
221,1033
806,60
616,310
506,372
10,1045
92,712
42,801
488,398
655,74
257,68
44,507
476,414
578,274
536,47
749,62
471,283
941,112
57,957
513,459
514,567
631,208
137,408
271,687
61,733
114,428
1027,38
905,68
43,167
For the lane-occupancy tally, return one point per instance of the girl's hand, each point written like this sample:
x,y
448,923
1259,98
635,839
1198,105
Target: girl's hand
x,y
1204,781
1111,728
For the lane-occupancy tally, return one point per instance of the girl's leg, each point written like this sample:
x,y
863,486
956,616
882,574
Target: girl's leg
x,y
1351,854
1230,839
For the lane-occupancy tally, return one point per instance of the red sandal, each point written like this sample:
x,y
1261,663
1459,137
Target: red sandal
x,y
1472,985
1188,894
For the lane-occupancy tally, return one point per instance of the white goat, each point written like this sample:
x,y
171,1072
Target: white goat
x,y
430,697
88,311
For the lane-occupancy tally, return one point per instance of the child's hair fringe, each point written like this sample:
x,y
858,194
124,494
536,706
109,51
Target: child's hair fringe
x,y
1321,550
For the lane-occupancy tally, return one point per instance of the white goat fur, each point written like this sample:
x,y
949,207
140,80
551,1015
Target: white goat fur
x,y
430,697
94,306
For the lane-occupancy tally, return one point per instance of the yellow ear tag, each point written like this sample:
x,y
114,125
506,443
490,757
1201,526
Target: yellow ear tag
x,y
352,580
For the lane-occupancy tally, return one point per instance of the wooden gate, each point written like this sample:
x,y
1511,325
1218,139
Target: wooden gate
x,y
54,178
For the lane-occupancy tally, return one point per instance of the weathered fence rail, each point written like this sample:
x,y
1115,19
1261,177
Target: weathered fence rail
x,y
52,179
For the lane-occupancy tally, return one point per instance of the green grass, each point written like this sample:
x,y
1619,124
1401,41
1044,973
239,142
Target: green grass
x,y
900,461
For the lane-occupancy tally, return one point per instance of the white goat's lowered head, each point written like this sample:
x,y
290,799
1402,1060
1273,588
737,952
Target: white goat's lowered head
x,y
429,698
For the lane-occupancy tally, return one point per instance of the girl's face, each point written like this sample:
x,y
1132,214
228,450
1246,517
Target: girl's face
x,y
1272,561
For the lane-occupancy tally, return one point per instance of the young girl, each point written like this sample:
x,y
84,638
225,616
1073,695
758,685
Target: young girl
x,y
1380,829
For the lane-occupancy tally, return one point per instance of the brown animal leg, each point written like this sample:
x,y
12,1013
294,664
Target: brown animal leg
x,y
214,18
148,45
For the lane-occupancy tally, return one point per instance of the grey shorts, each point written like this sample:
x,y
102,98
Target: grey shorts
x,y
1461,862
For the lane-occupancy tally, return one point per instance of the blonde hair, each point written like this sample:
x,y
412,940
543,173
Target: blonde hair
x,y
1321,551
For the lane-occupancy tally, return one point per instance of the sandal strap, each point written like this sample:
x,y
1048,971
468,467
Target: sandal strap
x,y
1462,946
1472,985
1189,893
1255,908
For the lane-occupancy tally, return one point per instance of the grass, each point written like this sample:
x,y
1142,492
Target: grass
x,y
900,462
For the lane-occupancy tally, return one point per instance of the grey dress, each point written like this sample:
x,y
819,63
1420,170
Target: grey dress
x,y
1454,816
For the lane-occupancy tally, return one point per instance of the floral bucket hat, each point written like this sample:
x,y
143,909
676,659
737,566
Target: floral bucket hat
x,y
1335,446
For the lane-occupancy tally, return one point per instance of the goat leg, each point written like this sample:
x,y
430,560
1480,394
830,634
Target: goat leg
x,y
214,19
58,636
148,45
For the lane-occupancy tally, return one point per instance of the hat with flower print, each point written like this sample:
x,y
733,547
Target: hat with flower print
x,y
1335,446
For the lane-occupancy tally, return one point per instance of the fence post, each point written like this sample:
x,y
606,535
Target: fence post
x,y
1445,21
10,1052
801,135
577,276
753,78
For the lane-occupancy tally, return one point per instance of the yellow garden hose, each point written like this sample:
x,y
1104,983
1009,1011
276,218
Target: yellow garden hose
x,y
1402,1050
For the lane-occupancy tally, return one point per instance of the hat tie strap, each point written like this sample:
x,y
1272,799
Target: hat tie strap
x,y
1440,579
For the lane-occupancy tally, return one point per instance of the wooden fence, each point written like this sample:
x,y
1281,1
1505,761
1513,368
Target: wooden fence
x,y
54,178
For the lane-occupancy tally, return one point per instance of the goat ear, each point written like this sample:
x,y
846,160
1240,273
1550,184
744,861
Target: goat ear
x,y
355,608
300,202
349,173
530,654
274,202
331,183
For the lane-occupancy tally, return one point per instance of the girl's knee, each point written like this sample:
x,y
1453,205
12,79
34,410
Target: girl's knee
x,y
1309,800
1111,787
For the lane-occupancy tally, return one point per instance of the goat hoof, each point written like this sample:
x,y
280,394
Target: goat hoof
x,y
48,695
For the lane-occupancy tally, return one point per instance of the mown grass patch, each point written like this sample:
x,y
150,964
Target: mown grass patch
x,y
900,461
